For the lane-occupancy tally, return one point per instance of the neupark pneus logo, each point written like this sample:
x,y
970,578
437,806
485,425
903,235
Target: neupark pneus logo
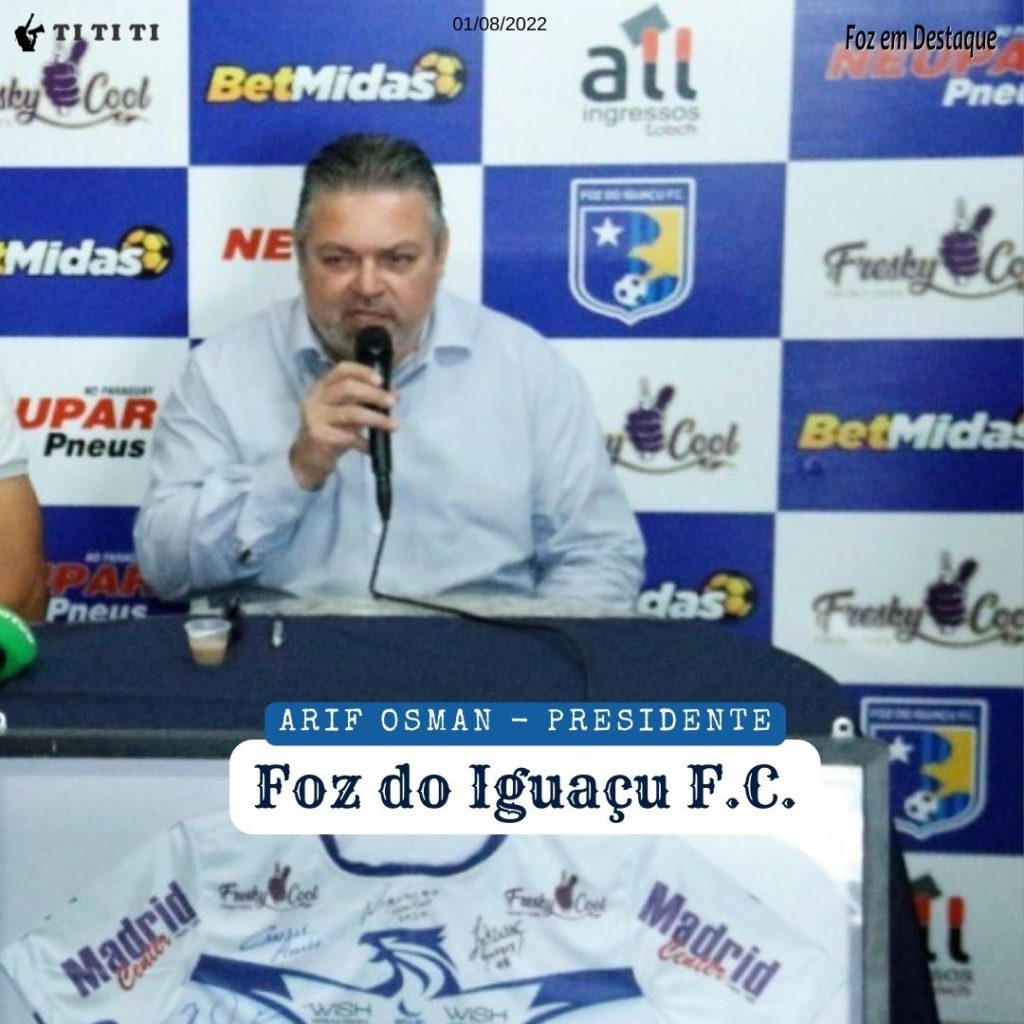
x,y
436,76
143,252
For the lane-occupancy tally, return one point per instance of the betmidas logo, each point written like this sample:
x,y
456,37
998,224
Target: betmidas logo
x,y
143,252
436,76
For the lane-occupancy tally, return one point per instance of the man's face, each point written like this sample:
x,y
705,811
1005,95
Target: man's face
x,y
370,257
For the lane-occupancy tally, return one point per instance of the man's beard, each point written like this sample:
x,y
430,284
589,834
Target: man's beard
x,y
339,345
339,342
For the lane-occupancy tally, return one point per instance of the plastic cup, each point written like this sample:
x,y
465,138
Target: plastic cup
x,y
208,640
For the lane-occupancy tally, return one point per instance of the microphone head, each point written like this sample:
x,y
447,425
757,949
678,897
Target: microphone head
x,y
17,644
374,348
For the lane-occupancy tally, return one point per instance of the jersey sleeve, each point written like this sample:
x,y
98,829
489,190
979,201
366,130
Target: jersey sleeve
x,y
119,952
705,949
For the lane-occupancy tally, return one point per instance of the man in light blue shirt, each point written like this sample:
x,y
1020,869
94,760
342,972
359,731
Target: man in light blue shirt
x,y
501,481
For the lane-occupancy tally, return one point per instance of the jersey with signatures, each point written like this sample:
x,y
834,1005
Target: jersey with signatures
x,y
206,925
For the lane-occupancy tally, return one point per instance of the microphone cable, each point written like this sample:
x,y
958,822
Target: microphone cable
x,y
570,646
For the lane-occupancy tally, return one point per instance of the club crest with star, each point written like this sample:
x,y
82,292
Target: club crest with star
x,y
937,760
631,247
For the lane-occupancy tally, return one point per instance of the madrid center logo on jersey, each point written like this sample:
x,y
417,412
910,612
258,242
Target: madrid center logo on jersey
x,y
631,245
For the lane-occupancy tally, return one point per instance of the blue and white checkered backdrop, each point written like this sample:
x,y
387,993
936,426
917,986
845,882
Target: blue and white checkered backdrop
x,y
795,239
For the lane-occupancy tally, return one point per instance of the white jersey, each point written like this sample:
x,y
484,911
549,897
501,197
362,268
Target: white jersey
x,y
206,925
13,460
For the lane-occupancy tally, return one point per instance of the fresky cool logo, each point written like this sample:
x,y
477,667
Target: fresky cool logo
x,y
957,612
438,75
615,74
279,893
664,439
72,92
972,261
631,248
143,252
565,901
937,760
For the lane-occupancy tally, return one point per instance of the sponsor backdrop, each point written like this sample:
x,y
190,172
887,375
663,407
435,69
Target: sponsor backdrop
x,y
784,245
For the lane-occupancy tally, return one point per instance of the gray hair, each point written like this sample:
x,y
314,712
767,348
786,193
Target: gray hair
x,y
364,162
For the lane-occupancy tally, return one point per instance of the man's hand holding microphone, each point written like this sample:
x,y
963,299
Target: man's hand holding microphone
x,y
350,398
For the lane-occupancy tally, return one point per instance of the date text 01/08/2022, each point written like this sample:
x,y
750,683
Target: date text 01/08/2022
x,y
499,23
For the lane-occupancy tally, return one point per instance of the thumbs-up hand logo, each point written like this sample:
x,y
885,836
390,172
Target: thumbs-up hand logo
x,y
563,891
278,884
961,248
946,599
645,424
60,78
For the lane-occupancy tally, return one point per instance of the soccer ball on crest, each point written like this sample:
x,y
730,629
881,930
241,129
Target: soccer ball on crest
x,y
921,806
630,290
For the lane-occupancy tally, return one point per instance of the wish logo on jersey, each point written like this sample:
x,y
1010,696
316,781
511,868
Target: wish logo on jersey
x,y
937,760
419,985
631,245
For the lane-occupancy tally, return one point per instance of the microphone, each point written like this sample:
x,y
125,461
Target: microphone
x,y
373,349
17,644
